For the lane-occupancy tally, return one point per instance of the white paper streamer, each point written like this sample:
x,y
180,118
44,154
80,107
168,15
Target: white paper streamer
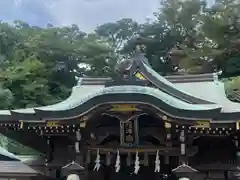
x,y
97,161
157,162
137,164
118,162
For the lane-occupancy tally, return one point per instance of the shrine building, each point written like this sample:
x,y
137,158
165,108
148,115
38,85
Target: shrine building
x,y
139,125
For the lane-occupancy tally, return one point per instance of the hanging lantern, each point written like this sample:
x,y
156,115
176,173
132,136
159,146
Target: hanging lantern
x,y
73,177
183,178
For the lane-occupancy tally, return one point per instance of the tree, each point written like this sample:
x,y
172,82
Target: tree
x,y
157,42
222,27
39,66
117,33
209,34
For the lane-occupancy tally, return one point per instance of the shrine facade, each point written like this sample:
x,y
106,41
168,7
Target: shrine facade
x,y
139,125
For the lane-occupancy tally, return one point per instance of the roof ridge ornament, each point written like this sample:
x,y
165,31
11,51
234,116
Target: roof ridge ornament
x,y
73,165
127,65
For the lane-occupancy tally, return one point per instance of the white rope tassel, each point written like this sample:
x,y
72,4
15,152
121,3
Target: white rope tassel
x,y
137,164
97,161
157,162
118,162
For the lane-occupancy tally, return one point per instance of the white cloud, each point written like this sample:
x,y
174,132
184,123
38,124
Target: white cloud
x,y
90,13
87,14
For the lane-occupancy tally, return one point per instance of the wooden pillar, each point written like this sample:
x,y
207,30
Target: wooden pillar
x,y
182,138
129,159
107,168
168,127
225,175
236,173
58,173
87,161
50,150
79,148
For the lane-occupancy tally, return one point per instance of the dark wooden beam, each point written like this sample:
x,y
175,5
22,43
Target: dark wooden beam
x,y
171,151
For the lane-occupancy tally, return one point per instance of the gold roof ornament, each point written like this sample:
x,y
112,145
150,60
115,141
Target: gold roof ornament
x,y
140,76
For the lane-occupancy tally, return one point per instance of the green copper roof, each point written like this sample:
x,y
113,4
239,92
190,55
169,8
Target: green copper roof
x,y
81,96
5,153
213,91
79,93
189,96
5,112
83,93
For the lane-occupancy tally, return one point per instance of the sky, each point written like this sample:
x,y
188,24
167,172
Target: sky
x,y
87,14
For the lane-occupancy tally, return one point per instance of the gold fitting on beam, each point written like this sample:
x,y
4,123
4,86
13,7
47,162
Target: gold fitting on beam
x,y
167,125
237,125
21,124
83,124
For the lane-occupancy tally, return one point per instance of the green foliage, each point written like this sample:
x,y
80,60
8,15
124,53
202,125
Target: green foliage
x,y
39,66
6,97
117,33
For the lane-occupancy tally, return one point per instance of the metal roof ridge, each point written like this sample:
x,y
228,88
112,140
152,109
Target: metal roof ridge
x,y
190,75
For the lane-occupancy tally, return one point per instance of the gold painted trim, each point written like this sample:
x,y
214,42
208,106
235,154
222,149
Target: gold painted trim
x,y
123,108
52,124
202,124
